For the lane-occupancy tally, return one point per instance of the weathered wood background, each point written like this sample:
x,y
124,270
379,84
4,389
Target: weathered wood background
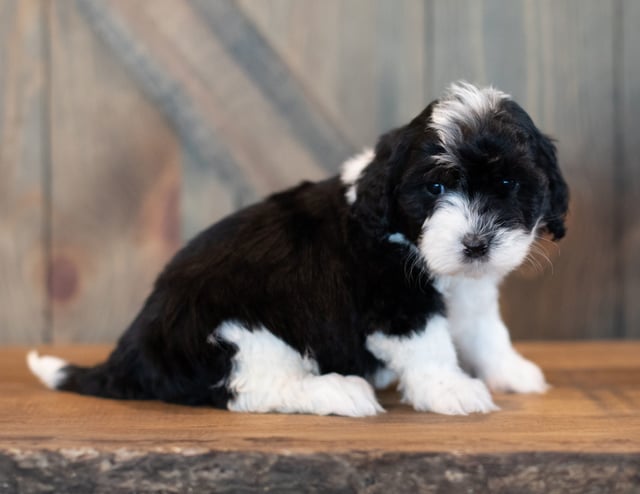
x,y
127,126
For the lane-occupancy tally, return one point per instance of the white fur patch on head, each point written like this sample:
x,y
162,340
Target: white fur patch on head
x,y
47,369
270,376
351,171
464,106
454,218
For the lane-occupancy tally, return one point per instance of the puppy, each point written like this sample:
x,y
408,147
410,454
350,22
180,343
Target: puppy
x,y
388,272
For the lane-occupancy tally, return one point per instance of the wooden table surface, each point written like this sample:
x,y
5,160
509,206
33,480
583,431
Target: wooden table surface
x,y
585,431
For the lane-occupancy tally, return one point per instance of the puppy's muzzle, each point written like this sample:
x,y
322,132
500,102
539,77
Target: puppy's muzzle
x,y
475,246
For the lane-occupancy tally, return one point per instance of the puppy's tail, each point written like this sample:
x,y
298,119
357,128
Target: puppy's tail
x,y
52,371
56,373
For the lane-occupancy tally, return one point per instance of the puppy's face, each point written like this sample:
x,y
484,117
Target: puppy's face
x,y
481,215
470,183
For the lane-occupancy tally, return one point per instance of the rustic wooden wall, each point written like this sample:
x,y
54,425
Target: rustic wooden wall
x,y
125,127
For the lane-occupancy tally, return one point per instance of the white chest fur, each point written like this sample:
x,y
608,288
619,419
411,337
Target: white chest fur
x,y
481,337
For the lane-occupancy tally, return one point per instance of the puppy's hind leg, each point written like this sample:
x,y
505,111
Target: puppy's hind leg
x,y
270,376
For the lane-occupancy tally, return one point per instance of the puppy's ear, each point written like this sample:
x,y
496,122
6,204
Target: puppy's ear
x,y
554,217
394,147
376,184
376,187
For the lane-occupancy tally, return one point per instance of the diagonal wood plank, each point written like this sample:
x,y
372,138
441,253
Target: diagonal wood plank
x,y
202,147
362,59
227,104
24,172
255,56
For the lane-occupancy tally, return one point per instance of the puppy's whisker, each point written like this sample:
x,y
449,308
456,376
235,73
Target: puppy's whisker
x,y
530,261
543,249
538,254
548,243
416,265
535,264
409,263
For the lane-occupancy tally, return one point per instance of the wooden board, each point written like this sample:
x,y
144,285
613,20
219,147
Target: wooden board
x,y
253,54
24,225
225,102
115,186
362,60
628,166
547,65
596,388
590,417
126,127
212,184
578,296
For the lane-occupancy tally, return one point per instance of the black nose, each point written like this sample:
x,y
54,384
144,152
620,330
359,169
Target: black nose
x,y
475,246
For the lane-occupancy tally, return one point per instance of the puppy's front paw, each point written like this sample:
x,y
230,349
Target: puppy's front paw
x,y
450,392
335,394
515,374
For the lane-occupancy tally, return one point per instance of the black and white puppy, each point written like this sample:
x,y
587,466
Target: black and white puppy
x,y
388,272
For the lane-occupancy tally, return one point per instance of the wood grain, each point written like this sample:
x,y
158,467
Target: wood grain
x,y
126,127
582,436
578,297
115,186
628,168
362,60
229,104
593,407
268,71
213,184
23,174
530,50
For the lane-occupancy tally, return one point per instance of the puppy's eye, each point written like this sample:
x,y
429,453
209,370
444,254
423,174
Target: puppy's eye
x,y
435,188
509,185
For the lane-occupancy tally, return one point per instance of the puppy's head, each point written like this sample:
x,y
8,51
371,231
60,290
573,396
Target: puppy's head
x,y
469,182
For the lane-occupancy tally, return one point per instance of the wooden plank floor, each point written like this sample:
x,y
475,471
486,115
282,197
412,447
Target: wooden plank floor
x,y
586,430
